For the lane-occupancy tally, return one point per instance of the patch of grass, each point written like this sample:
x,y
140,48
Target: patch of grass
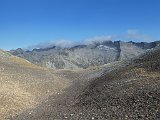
x,y
23,62
4,53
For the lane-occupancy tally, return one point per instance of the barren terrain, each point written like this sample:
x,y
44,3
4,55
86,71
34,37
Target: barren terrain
x,y
118,90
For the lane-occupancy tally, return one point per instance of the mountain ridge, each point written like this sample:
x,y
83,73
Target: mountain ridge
x,y
84,56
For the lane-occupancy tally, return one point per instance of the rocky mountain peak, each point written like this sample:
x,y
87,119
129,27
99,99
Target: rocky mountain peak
x,y
84,56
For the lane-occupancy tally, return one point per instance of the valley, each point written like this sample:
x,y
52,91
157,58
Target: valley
x,y
126,89
79,60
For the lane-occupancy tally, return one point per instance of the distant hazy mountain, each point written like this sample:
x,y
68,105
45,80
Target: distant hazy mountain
x,y
83,56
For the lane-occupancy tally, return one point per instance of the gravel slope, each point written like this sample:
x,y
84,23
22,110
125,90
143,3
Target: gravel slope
x,y
119,90
24,85
131,91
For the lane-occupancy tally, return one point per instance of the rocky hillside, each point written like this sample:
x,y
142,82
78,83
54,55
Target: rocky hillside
x,y
84,56
23,85
125,90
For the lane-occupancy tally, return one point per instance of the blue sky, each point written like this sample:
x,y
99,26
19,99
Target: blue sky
x,y
28,22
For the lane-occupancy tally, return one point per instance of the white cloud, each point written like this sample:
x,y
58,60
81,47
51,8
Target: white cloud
x,y
65,43
98,39
130,35
69,43
58,43
135,35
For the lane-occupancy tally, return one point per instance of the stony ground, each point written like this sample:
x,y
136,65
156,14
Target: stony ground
x,y
121,90
24,85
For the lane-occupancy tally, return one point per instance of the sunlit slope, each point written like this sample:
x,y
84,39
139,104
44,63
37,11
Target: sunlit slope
x,y
24,85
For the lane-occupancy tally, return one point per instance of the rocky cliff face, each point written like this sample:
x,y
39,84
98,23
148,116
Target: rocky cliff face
x,y
83,56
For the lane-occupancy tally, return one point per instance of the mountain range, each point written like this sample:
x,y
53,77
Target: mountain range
x,y
85,55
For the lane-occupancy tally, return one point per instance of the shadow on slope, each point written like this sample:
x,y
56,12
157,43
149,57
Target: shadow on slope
x,y
128,92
